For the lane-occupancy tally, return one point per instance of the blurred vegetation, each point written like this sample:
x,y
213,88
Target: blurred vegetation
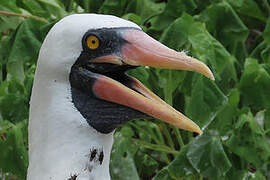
x,y
231,36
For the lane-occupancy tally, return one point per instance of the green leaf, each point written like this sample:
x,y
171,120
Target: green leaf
x,y
225,118
146,9
207,156
265,54
8,23
258,176
132,17
33,7
9,110
114,7
185,31
161,148
210,51
91,6
50,9
4,48
69,5
13,151
163,175
53,3
180,167
10,5
145,164
25,44
262,51
225,25
266,33
176,35
176,7
267,120
237,174
11,97
249,8
173,9
248,141
53,7
122,166
206,101
255,79
168,81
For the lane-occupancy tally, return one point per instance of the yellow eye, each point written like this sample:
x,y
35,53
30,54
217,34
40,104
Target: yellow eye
x,y
92,42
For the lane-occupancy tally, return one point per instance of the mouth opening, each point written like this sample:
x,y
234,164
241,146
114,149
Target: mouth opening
x,y
107,68
113,71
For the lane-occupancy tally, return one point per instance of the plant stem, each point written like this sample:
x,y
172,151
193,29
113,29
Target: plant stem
x,y
6,13
154,137
159,136
168,99
155,147
190,136
201,178
167,134
168,93
178,137
145,132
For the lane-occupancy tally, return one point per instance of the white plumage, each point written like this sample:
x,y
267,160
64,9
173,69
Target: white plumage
x,y
60,139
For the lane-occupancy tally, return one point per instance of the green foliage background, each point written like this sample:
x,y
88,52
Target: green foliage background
x,y
231,36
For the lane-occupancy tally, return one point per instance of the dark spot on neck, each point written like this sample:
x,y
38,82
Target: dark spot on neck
x,y
93,154
73,177
101,157
96,155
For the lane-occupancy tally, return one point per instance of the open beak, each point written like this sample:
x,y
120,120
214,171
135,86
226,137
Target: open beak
x,y
140,49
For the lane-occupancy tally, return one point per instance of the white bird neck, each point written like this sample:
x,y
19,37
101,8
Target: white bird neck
x,y
61,143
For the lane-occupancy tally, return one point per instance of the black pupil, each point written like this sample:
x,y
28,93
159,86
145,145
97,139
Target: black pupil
x,y
93,41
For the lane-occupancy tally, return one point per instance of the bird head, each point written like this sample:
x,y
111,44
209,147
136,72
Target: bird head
x,y
93,52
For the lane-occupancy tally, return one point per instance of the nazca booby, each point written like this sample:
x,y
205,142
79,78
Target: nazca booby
x,y
81,94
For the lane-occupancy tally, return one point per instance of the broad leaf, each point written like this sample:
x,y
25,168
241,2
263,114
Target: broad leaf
x,y
13,158
225,25
249,8
248,141
206,101
25,45
224,121
122,164
255,85
179,168
208,157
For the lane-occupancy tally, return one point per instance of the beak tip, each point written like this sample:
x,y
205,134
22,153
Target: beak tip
x,y
197,130
189,125
212,77
200,132
205,70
